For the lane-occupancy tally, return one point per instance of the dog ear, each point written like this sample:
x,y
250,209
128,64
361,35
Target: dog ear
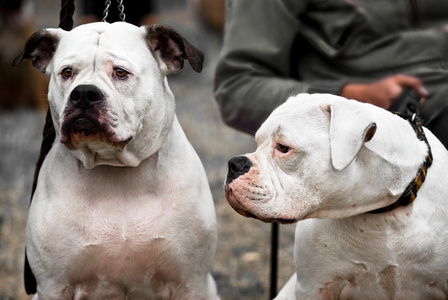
x,y
170,47
40,49
350,128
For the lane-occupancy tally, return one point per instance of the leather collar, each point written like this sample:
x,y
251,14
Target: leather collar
x,y
410,193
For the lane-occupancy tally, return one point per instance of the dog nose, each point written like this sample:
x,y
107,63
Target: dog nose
x,y
86,95
238,166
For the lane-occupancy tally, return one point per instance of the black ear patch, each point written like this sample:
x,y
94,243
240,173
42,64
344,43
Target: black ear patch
x,y
40,49
172,48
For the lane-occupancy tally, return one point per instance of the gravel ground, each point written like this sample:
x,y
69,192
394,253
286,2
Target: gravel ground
x,y
242,259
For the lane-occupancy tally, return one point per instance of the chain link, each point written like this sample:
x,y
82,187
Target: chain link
x,y
106,10
120,9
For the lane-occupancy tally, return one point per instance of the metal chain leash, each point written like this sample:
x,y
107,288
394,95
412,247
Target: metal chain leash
x,y
106,10
120,9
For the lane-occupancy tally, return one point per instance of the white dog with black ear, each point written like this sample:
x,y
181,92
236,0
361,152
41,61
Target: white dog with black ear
x,y
372,211
122,209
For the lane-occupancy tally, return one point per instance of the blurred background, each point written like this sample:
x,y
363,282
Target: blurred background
x,y
242,259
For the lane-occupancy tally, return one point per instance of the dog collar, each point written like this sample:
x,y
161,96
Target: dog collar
x,y
410,193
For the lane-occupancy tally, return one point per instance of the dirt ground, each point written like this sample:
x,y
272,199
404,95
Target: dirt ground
x,y
242,259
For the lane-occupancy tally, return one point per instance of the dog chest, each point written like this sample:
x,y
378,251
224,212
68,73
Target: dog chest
x,y
117,233
118,244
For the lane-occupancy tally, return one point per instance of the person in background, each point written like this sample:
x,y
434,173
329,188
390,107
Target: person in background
x,y
365,50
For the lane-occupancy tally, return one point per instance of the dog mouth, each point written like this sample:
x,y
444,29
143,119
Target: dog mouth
x,y
86,126
233,202
81,128
238,207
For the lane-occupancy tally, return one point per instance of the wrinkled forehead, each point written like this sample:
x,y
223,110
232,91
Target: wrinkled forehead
x,y
297,113
116,39
281,115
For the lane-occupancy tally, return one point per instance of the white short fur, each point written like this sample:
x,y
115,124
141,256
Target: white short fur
x,y
130,216
320,162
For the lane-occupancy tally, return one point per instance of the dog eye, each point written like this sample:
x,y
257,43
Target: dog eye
x,y
282,148
121,73
67,73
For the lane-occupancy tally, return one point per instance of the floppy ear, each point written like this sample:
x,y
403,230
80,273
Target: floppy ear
x,y
171,48
350,128
40,48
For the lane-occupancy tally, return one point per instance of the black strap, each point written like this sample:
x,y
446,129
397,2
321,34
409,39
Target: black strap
x,y
274,260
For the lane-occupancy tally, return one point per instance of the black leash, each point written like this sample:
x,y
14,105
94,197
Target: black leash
x,y
274,260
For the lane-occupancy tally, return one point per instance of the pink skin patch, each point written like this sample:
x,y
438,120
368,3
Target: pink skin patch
x,y
248,197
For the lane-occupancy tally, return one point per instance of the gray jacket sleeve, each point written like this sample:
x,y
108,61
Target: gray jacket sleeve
x,y
253,72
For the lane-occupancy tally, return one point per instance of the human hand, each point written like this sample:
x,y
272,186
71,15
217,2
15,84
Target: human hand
x,y
382,93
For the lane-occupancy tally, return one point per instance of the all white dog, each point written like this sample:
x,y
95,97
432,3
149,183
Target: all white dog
x,y
351,175
122,208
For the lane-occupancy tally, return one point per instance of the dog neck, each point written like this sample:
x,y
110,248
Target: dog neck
x,y
411,190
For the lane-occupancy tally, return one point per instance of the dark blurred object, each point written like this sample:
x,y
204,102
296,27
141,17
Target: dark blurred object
x,y
408,102
10,4
212,12
432,112
434,115
137,12
19,86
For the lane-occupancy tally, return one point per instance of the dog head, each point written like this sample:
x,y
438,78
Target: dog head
x,y
323,156
108,92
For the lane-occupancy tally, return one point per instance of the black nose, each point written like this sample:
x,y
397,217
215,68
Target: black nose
x,y
85,95
238,166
